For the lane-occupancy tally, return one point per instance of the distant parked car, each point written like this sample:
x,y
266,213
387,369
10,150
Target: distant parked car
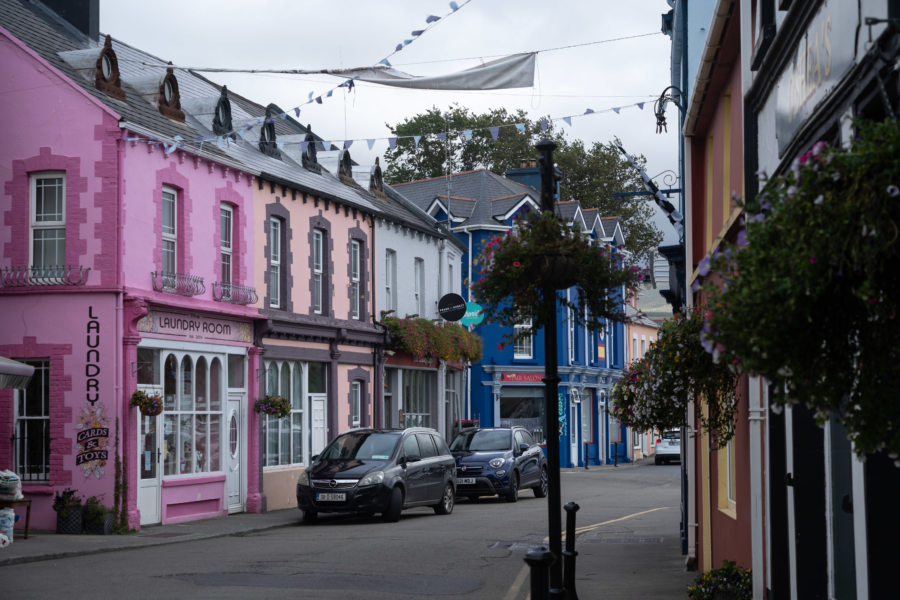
x,y
668,446
498,460
383,471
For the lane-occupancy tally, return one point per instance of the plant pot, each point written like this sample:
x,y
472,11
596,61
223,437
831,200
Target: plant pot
x,y
69,522
99,524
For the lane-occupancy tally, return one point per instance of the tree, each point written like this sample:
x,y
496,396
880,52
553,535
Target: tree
x,y
590,177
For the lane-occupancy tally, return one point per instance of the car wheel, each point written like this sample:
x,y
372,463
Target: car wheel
x,y
657,461
512,494
395,505
310,516
540,490
445,506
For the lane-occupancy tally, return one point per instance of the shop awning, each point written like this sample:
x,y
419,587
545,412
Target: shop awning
x,y
14,374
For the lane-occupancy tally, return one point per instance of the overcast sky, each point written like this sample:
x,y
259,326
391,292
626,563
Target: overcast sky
x,y
327,34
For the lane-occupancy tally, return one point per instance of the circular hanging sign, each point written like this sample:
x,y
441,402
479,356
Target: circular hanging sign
x,y
473,314
452,307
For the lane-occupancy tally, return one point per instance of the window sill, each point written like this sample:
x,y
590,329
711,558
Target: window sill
x,y
191,480
729,511
37,489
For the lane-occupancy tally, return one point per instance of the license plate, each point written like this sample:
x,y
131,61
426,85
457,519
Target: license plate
x,y
331,497
465,481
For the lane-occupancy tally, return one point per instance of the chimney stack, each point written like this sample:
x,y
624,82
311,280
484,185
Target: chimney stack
x,y
83,15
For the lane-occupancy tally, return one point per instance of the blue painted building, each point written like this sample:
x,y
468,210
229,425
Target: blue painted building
x,y
505,388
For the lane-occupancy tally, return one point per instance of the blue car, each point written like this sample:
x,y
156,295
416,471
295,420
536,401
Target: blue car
x,y
498,461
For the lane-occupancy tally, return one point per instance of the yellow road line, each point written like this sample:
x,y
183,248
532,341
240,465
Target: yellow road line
x,y
523,574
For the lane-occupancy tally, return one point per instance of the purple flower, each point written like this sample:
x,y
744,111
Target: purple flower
x,y
703,267
742,239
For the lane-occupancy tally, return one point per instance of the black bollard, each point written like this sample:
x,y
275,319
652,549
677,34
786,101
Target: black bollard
x,y
539,559
569,553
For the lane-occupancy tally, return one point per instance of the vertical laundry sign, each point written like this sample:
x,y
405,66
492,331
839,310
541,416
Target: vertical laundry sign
x,y
92,437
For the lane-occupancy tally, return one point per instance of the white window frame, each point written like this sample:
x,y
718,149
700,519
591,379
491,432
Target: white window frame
x,y
226,244
355,404
390,280
318,270
21,421
169,237
44,226
570,318
643,345
291,374
355,271
275,234
419,289
634,347
523,347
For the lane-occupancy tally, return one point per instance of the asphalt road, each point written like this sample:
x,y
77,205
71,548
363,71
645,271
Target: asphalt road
x,y
628,545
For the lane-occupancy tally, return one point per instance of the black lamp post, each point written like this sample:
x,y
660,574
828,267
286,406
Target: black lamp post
x,y
551,386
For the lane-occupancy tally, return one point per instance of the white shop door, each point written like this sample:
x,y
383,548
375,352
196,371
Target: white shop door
x,y
234,497
318,425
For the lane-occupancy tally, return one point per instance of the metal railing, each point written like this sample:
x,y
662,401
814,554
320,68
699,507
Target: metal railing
x,y
178,283
233,293
53,275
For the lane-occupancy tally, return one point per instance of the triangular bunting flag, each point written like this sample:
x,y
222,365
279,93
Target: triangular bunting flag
x,y
384,62
589,111
297,111
417,32
417,138
544,124
640,105
432,19
442,136
318,99
568,121
329,93
454,6
303,147
467,133
326,145
370,143
520,127
495,131
616,109
347,144
398,48
392,142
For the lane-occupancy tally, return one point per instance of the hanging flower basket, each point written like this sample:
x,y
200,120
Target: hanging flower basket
x,y
654,391
807,296
275,406
421,338
150,405
543,254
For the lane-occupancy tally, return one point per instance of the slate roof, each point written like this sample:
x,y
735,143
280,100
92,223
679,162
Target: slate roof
x,y
74,55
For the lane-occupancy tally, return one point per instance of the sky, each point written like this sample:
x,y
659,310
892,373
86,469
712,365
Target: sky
x,y
592,54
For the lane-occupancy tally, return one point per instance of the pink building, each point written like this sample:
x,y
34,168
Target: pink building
x,y
122,269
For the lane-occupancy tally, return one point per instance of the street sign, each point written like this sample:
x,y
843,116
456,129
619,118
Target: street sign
x,y
473,314
452,307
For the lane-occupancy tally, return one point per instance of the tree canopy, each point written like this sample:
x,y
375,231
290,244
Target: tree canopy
x,y
589,175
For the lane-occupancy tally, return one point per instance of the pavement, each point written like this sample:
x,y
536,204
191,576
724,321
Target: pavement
x,y
48,545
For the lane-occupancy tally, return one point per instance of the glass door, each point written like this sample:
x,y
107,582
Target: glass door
x,y
149,455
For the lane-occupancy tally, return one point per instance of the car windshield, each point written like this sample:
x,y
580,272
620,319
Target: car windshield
x,y
481,440
362,445
671,435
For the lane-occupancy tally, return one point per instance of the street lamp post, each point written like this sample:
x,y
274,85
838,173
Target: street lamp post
x,y
551,387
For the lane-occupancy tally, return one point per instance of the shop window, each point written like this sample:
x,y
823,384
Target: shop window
x,y
419,388
192,419
236,370
419,289
284,437
48,225
519,408
32,425
148,366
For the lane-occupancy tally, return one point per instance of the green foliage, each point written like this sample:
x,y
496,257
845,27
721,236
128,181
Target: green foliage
x,y
589,176
807,296
276,406
421,339
66,501
653,392
150,405
728,582
543,253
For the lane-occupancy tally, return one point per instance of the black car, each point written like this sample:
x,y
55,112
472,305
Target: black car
x,y
383,471
498,460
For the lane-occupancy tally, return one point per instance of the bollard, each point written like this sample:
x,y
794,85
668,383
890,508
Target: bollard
x,y
586,454
540,559
569,553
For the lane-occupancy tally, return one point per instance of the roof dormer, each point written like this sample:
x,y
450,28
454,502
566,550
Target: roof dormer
x,y
310,162
267,142
222,119
106,72
169,98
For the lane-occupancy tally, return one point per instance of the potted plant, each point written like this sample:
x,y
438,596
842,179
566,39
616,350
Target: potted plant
x,y
96,518
653,392
807,293
150,405
67,505
543,253
728,582
276,406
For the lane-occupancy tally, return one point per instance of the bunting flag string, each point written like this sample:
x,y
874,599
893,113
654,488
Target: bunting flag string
x,y
494,131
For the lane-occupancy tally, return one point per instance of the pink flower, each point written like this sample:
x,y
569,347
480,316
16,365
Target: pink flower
x,y
500,347
517,263
812,259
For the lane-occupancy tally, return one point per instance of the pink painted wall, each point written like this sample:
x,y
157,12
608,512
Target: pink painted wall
x,y
201,187
77,333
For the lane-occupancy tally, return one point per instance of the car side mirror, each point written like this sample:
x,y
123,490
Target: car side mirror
x,y
523,448
314,458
